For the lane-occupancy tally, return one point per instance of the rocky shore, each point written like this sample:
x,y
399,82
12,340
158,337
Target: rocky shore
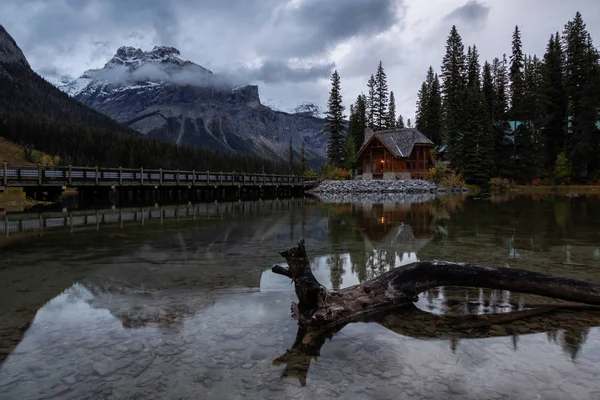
x,y
384,186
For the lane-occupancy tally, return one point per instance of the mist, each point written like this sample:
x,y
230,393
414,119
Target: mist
x,y
191,74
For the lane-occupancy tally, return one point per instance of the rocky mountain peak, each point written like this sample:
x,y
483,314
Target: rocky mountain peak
x,y
10,53
309,109
165,57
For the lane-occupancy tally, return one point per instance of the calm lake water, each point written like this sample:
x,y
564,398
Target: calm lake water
x,y
180,303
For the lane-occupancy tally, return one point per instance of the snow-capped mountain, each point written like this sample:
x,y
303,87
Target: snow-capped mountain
x,y
310,109
166,97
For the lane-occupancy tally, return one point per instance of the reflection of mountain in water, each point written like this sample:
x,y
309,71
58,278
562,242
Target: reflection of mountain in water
x,y
193,261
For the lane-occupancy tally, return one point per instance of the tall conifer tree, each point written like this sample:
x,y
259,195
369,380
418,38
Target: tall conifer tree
x,y
334,123
400,122
434,112
371,100
553,101
453,91
381,98
390,122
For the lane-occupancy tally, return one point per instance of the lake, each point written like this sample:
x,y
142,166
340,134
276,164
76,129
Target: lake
x,y
178,302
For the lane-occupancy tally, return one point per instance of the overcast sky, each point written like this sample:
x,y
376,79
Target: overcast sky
x,y
288,47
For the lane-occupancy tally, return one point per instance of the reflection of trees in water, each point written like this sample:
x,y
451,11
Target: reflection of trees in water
x,y
336,270
358,265
413,322
571,339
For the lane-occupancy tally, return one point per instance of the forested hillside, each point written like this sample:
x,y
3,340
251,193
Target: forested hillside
x,y
36,114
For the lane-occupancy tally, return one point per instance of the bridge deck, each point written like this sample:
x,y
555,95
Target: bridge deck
x,y
121,177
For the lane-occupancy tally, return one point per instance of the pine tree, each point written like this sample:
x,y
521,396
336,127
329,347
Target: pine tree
x,y
473,68
488,89
477,139
381,99
303,164
500,76
291,156
400,122
334,123
434,112
349,153
517,62
360,108
371,100
582,87
408,123
390,122
553,101
421,113
500,124
453,90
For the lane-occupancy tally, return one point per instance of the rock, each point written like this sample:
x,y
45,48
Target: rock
x,y
334,189
135,347
336,377
360,389
9,381
258,355
214,374
168,350
266,341
235,345
498,328
56,391
234,333
69,380
104,368
208,383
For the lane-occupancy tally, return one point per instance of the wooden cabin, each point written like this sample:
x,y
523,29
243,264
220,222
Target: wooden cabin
x,y
395,154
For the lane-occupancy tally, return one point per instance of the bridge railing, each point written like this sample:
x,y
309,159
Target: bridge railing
x,y
69,175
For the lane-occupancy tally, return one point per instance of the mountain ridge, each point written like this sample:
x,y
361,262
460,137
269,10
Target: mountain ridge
x,y
163,96
36,114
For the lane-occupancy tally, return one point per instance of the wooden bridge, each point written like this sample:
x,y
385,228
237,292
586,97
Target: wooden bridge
x,y
36,180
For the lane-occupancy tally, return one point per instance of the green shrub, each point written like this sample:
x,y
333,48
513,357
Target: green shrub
x,y
329,171
501,184
442,175
562,170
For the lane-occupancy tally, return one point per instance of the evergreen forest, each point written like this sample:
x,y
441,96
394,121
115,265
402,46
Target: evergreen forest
x,y
524,117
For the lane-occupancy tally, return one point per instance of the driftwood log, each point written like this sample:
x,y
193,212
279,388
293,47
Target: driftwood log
x,y
321,312
319,309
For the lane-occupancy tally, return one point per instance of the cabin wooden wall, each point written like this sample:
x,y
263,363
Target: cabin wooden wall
x,y
377,159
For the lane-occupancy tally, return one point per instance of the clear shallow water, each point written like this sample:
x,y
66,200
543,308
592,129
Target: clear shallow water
x,y
190,309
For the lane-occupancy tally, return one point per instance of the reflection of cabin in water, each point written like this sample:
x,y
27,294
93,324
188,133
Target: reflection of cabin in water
x,y
395,154
394,226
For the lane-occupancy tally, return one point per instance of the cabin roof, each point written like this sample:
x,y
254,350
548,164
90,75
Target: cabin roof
x,y
399,142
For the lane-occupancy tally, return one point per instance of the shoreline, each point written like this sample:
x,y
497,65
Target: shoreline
x,y
415,186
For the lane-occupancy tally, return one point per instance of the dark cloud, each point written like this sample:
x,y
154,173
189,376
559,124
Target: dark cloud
x,y
315,26
473,13
214,33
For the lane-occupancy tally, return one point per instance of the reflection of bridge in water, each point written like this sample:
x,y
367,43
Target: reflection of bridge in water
x,y
72,221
